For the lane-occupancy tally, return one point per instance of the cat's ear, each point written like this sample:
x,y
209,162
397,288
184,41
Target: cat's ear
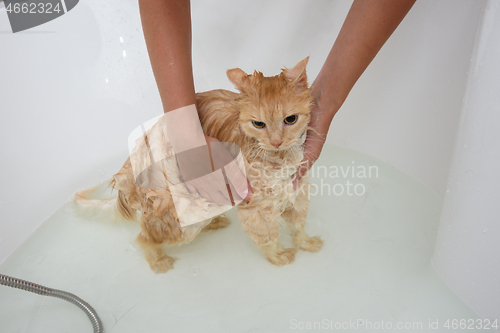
x,y
297,75
238,78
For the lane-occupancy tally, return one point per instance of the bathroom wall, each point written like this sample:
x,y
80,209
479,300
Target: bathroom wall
x,y
72,90
468,248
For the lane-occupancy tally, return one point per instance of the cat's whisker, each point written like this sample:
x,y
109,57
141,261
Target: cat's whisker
x,y
295,150
313,149
309,144
314,139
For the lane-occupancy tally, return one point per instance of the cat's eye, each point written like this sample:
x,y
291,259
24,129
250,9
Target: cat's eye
x,y
291,119
258,124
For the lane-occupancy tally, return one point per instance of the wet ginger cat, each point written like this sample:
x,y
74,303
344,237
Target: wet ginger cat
x,y
269,120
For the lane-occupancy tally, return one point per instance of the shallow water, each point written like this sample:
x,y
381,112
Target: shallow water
x,y
373,272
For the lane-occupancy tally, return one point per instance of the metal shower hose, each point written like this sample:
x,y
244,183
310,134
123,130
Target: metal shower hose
x,y
41,290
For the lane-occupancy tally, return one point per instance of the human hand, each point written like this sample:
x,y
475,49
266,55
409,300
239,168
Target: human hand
x,y
236,181
211,172
206,165
312,147
322,112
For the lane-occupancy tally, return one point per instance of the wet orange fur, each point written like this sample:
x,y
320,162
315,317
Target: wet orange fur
x,y
228,117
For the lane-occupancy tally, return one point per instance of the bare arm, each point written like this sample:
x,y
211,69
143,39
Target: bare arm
x,y
167,30
366,28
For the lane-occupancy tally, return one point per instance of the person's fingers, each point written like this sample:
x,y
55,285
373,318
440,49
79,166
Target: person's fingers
x,y
223,159
213,188
191,189
312,149
216,188
194,163
217,197
250,192
209,186
221,194
238,181
301,171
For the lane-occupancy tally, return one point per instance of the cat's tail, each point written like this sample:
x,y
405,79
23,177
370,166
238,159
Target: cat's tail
x,y
89,204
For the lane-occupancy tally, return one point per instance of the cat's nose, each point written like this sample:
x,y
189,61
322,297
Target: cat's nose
x,y
276,142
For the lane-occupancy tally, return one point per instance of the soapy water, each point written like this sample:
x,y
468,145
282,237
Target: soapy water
x,y
374,268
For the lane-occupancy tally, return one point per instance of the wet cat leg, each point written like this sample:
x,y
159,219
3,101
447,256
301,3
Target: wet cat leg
x,y
154,254
153,235
276,254
263,229
295,218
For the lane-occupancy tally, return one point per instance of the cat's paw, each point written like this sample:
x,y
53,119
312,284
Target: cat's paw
x,y
283,257
311,244
218,222
162,264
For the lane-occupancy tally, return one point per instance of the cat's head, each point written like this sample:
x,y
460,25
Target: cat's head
x,y
274,110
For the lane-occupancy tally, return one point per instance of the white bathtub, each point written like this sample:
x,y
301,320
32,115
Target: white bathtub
x,y
74,88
